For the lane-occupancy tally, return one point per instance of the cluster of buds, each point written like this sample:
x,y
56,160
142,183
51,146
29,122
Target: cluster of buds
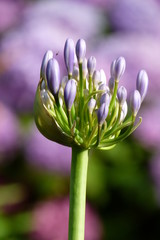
x,y
80,108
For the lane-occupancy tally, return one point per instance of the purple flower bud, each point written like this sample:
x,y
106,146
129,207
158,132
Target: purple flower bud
x,y
69,54
142,83
80,50
96,78
122,95
64,81
47,56
46,99
103,87
53,76
84,68
91,104
135,101
111,84
105,98
70,93
124,111
102,113
118,67
91,65
103,76
112,68
75,73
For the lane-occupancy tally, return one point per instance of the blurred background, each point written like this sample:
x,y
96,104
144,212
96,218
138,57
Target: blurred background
x,y
123,189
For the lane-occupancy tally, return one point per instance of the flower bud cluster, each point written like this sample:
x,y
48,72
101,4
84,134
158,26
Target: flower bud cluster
x,y
80,108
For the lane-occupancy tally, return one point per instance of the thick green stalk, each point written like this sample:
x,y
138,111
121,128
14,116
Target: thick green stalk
x,y
78,182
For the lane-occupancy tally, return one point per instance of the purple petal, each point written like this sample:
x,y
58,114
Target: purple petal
x,y
91,65
80,50
69,53
47,56
135,101
53,76
91,104
122,95
70,93
142,83
102,113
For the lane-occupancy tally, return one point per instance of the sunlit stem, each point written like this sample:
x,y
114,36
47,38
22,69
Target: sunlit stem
x,y
99,134
90,84
78,182
113,96
69,117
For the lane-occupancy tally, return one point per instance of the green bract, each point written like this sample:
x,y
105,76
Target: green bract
x,y
77,124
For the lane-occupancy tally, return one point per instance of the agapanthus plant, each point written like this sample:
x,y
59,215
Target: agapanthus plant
x,y
81,111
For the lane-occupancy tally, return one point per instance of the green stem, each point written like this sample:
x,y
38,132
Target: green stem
x,y
78,182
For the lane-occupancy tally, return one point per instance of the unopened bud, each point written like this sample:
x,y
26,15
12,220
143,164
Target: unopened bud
x,y
142,83
53,76
91,65
70,93
122,95
47,56
69,54
135,101
102,113
80,50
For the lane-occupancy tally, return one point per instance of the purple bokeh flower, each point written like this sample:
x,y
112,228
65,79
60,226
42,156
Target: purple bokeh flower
x,y
10,13
22,49
135,16
140,52
9,133
148,132
50,221
46,154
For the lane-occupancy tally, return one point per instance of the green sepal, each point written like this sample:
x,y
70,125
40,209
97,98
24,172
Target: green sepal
x,y
47,124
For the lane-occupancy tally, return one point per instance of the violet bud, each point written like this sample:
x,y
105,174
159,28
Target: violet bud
x,y
53,76
47,56
46,99
112,68
103,87
105,98
102,113
64,81
122,95
70,93
80,50
142,83
111,84
75,73
69,55
124,111
84,68
103,76
91,105
91,65
135,101
118,67
96,78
